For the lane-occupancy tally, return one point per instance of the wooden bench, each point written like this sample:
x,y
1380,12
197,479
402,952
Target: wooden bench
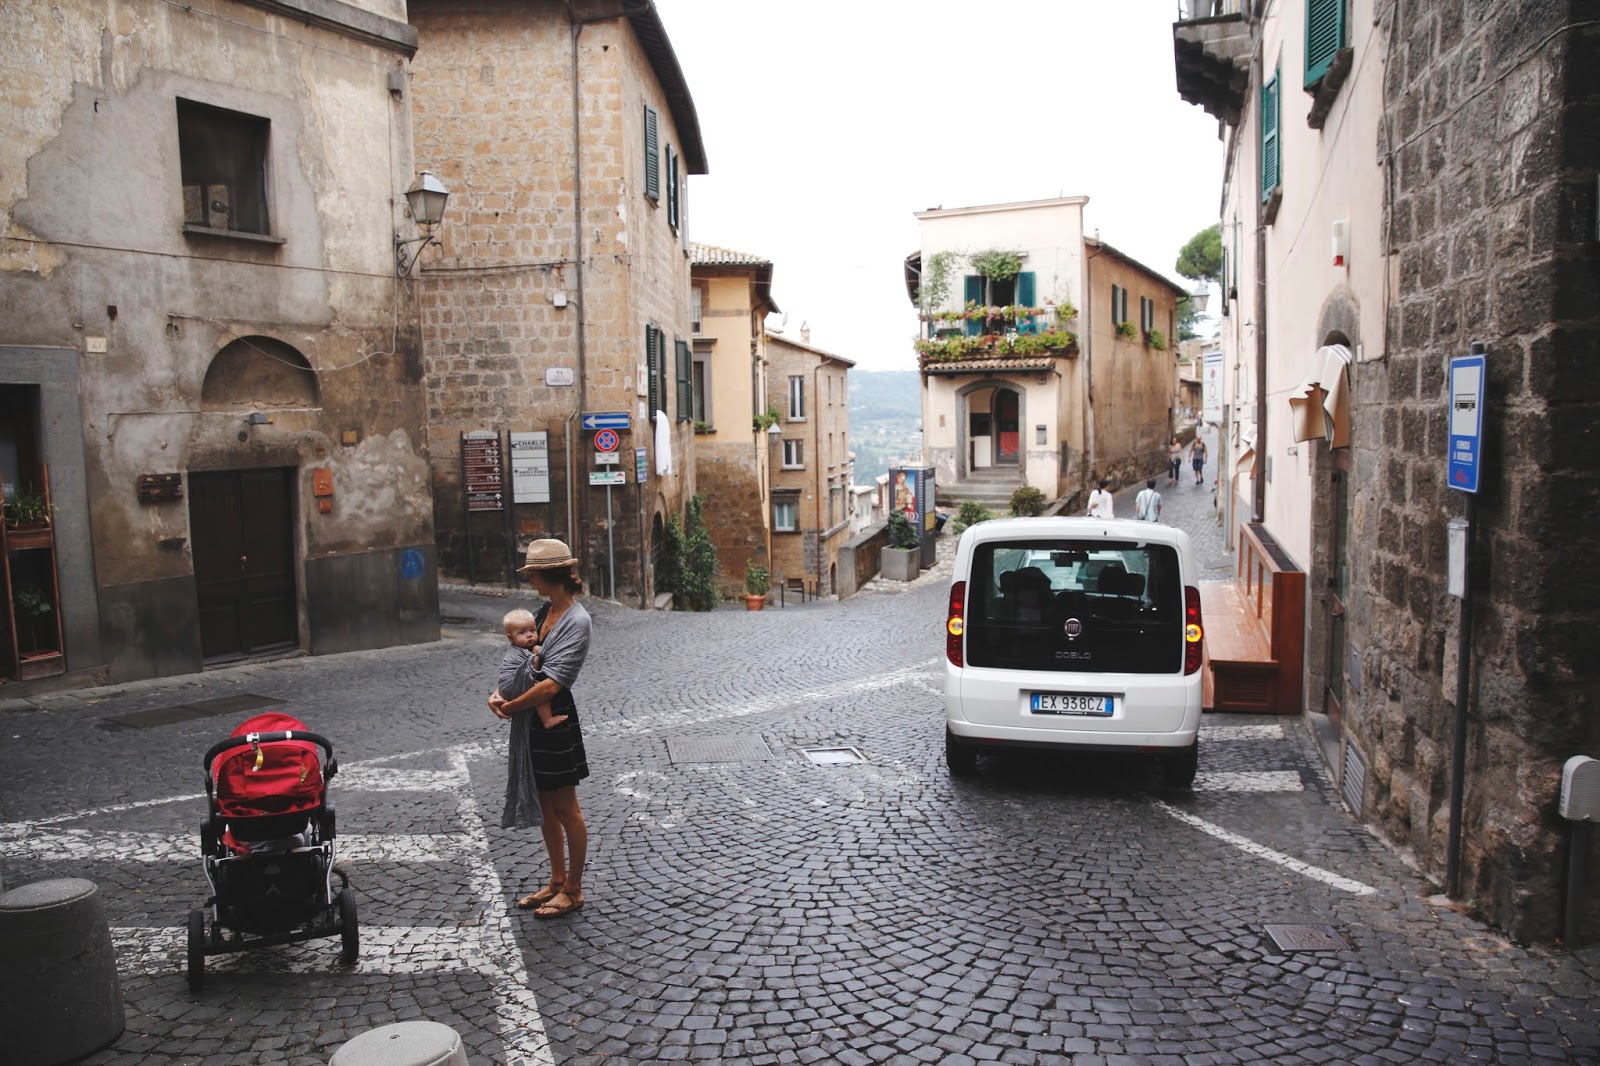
x,y
1255,630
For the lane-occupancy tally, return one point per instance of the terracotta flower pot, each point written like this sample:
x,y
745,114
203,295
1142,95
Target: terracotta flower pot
x,y
753,602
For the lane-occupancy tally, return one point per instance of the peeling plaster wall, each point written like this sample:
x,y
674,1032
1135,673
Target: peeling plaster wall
x,y
94,247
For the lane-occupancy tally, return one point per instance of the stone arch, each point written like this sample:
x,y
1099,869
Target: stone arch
x,y
963,394
256,373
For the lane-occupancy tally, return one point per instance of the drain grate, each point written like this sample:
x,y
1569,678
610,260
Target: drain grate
x,y
457,620
1355,777
834,756
1306,938
716,749
184,712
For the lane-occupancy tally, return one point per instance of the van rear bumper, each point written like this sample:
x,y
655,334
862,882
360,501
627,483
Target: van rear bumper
x,y
1076,739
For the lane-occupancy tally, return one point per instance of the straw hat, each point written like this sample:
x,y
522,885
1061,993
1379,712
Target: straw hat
x,y
547,555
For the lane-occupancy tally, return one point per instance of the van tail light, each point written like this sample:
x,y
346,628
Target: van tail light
x,y
1193,632
956,623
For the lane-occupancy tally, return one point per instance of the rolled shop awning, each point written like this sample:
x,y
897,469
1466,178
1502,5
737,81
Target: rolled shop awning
x,y
1320,405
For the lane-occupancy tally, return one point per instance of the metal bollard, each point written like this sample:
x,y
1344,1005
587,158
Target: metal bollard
x,y
403,1044
59,994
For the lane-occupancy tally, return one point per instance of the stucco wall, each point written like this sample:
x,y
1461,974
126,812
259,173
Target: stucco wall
x,y
1131,381
91,198
823,471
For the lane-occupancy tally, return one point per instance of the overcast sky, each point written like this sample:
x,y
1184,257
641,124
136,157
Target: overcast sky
x,y
828,122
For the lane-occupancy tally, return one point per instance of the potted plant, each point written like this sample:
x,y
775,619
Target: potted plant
x,y
1127,330
32,605
26,509
756,583
902,558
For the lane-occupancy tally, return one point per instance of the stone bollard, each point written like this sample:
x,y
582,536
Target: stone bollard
x,y
59,994
403,1044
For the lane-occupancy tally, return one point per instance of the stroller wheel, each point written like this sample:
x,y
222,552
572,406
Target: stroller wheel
x,y
197,950
349,932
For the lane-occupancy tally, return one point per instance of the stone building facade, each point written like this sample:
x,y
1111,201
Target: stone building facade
x,y
566,134
1447,150
731,298
203,341
809,388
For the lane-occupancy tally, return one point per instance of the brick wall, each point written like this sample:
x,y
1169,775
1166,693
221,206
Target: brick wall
x,y
1493,157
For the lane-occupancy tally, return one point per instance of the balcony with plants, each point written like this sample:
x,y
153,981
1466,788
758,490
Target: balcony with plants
x,y
977,332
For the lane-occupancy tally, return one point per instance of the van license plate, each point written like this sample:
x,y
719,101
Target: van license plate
x,y
1073,703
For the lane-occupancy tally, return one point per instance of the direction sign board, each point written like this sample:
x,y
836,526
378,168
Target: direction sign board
x,y
607,459
481,470
1468,375
606,440
608,477
1211,387
606,420
530,467
641,465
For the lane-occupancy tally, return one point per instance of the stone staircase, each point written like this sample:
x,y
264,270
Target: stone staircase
x,y
992,488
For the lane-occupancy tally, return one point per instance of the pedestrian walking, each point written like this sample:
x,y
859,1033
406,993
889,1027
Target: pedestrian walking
x,y
1101,505
545,765
1147,505
1197,459
1174,462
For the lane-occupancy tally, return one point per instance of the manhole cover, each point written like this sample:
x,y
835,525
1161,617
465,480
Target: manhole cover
x,y
834,756
1306,938
183,712
716,749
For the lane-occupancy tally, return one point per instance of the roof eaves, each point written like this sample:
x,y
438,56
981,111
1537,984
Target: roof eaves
x,y
652,34
1131,261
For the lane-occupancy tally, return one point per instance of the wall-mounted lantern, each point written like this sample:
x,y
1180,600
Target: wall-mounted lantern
x,y
426,198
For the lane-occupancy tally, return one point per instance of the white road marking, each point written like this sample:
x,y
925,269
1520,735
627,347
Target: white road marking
x,y
118,808
1263,731
1261,851
24,841
1250,781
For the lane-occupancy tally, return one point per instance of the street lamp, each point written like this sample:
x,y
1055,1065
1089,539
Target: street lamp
x,y
1200,297
426,198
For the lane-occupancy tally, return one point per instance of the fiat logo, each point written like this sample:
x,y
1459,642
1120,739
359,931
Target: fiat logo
x,y
1073,628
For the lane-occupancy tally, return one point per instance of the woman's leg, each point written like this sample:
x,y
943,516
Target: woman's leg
x,y
555,836
570,817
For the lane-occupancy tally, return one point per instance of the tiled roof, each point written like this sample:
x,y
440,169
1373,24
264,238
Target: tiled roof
x,y
711,255
977,366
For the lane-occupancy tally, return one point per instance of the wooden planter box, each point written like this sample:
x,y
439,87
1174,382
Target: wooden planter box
x,y
901,564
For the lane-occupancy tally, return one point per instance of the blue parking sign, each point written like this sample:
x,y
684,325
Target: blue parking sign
x,y
1468,376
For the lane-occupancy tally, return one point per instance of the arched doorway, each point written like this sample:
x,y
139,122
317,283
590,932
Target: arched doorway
x,y
990,416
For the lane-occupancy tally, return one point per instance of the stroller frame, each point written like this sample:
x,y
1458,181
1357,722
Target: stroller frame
x,y
222,925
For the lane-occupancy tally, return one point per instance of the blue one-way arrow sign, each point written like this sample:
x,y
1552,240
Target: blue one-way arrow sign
x,y
606,420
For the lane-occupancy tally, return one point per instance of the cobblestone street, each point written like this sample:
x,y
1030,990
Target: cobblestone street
x,y
745,905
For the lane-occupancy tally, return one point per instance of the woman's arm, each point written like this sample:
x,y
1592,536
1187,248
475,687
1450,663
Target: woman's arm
x,y
542,692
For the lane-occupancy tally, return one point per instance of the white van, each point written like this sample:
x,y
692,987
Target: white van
x,y
1078,633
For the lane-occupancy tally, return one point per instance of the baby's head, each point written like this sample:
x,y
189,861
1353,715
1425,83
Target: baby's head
x,y
520,628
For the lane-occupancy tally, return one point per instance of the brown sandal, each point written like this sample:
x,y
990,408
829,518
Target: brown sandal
x,y
541,897
556,909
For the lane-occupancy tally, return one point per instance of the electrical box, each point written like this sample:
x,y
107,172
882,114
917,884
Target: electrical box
x,y
322,481
1341,243
1580,789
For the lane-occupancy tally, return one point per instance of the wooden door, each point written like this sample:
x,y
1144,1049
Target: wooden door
x,y
241,531
1008,446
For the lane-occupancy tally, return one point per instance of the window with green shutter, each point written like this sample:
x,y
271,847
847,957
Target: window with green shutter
x,y
661,373
652,153
1269,134
650,332
1027,288
973,294
1325,35
685,356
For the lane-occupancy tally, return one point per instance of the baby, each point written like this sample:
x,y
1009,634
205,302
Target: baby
x,y
521,662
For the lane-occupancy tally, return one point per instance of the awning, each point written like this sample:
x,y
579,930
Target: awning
x,y
1320,405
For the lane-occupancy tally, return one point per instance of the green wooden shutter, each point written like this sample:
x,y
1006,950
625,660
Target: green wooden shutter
x,y
1269,135
1325,32
1027,290
1114,319
973,295
672,188
652,153
650,365
661,374
685,381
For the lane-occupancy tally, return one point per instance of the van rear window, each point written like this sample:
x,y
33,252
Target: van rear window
x,y
1075,606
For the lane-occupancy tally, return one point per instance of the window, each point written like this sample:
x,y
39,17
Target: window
x,y
223,156
786,512
1269,135
702,388
794,455
655,360
683,358
1119,305
1325,36
697,312
993,292
652,154
1147,314
797,399
833,459
672,189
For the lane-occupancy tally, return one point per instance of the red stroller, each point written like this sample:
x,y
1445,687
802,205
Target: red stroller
x,y
268,845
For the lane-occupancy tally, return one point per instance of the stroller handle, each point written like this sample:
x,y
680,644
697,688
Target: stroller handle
x,y
331,767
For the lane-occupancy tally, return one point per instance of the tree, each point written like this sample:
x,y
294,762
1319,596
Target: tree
x,y
700,560
1201,258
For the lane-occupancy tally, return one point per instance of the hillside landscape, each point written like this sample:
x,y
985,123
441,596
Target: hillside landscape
x,y
885,420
